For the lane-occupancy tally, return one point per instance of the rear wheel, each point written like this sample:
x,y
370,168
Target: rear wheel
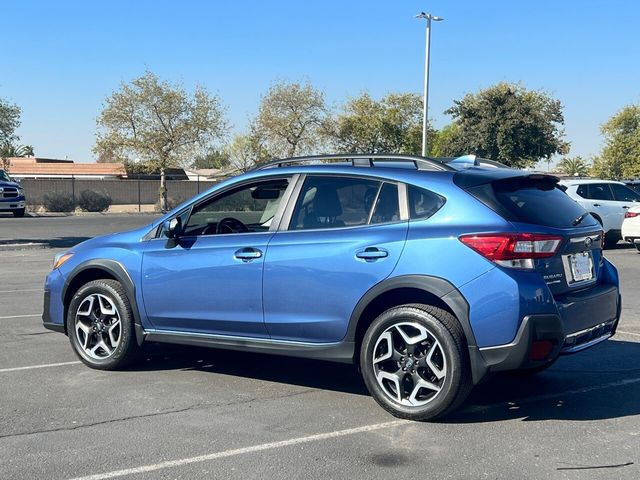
x,y
637,246
18,213
414,362
100,325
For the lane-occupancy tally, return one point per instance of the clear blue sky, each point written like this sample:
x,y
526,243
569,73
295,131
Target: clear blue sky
x,y
61,59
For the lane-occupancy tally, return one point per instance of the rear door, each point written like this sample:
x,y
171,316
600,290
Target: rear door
x,y
598,199
345,234
623,199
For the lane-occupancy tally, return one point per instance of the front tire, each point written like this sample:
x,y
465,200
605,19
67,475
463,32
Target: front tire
x,y
415,363
100,325
18,213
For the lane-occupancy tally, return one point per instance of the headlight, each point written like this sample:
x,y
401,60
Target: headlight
x,y
61,258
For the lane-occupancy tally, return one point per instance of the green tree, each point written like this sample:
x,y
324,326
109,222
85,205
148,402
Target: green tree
x,y
218,158
508,123
245,151
290,118
392,124
160,124
9,121
441,144
575,166
620,157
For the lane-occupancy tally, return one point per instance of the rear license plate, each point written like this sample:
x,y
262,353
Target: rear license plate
x,y
581,266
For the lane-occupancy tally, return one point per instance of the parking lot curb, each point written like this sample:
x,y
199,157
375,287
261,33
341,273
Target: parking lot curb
x,y
4,247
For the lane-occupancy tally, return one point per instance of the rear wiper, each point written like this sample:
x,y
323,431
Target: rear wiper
x,y
579,219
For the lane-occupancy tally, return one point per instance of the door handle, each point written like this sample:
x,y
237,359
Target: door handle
x,y
596,204
625,207
247,253
371,254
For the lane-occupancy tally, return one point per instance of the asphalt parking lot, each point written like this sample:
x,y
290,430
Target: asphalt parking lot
x,y
196,413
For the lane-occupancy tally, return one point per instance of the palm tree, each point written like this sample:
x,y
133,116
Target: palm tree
x,y
574,166
8,149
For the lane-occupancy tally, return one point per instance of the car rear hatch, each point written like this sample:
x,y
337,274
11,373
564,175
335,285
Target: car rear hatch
x,y
559,239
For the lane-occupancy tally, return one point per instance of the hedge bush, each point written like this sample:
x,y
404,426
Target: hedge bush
x,y
58,202
92,201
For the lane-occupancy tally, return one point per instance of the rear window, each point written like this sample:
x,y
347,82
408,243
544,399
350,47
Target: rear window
x,y
538,201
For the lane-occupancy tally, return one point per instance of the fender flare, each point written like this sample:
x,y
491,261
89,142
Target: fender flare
x,y
117,271
438,287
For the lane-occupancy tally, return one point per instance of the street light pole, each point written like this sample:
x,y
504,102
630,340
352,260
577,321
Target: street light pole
x,y
425,99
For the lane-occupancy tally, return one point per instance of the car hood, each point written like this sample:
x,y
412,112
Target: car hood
x,y
119,239
9,184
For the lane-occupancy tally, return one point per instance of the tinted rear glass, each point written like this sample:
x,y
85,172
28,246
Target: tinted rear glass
x,y
528,200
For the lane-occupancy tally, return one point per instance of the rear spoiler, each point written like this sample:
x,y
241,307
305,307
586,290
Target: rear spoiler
x,y
473,177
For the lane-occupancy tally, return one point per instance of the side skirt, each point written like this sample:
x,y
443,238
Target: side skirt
x,y
342,352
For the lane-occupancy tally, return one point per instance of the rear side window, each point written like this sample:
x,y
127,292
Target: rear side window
x,y
423,203
622,193
531,200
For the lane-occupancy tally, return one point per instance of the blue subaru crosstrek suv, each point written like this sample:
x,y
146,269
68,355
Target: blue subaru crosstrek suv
x,y
426,275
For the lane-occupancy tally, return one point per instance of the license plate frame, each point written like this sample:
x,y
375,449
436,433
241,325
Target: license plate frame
x,y
581,266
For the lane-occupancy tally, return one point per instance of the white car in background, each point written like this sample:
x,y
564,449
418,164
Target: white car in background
x,y
606,200
631,227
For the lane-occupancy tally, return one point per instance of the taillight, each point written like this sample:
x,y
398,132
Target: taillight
x,y
514,250
631,214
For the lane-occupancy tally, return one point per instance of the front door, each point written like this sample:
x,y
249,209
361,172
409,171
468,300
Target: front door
x,y
209,280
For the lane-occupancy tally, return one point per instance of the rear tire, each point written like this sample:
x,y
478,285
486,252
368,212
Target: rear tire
x,y
100,325
415,363
18,213
637,245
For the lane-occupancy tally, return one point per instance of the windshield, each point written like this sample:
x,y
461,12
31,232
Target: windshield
x,y
4,177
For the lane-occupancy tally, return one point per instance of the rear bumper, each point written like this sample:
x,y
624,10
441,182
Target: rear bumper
x,y
584,319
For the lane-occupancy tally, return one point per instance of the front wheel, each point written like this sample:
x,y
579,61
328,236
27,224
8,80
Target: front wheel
x,y
18,213
637,245
100,325
414,362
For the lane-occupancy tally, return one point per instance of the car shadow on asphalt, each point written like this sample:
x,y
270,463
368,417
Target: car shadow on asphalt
x,y
273,368
55,242
601,383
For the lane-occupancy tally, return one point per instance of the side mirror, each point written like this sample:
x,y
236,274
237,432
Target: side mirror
x,y
16,180
172,228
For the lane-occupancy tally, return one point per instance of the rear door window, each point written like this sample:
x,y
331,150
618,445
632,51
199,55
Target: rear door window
x,y
599,191
334,202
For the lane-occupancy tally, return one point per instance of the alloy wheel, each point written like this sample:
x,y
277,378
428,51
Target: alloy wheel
x,y
409,364
97,326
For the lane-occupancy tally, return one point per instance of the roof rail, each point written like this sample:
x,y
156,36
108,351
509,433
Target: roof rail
x,y
361,160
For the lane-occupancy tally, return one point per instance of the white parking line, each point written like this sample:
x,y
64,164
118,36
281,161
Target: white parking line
x,y
628,333
241,451
21,316
33,367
